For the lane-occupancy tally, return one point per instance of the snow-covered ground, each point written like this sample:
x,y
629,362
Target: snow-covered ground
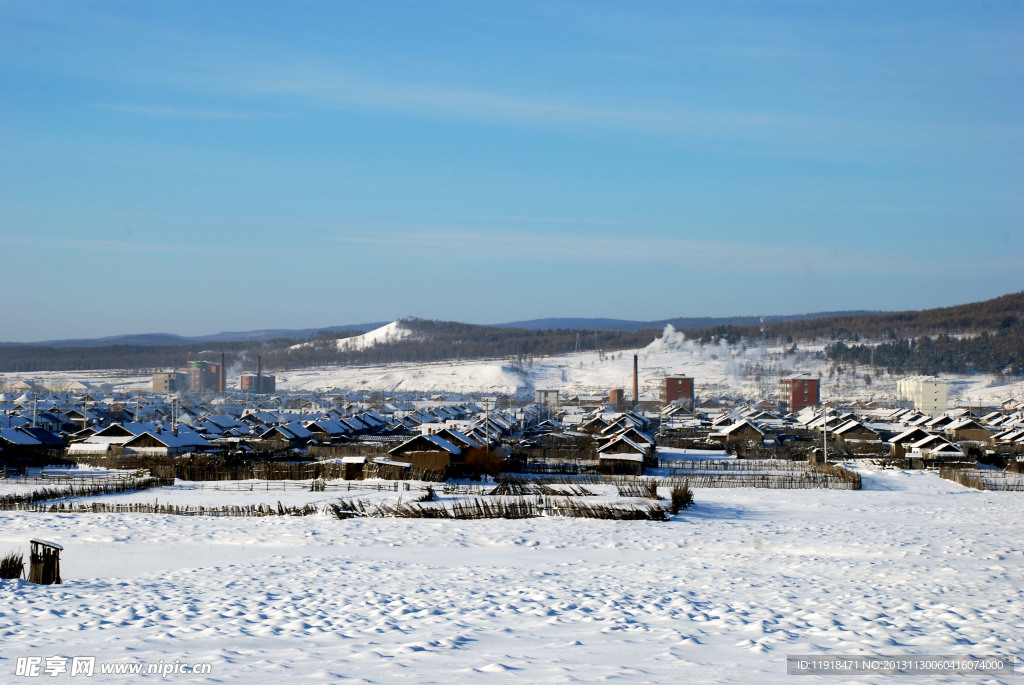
x,y
721,594
749,371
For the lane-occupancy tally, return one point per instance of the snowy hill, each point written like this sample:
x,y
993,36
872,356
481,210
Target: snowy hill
x,y
384,335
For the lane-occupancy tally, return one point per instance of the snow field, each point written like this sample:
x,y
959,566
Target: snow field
x,y
722,593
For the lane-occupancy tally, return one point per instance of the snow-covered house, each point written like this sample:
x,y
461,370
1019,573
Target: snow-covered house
x,y
167,443
741,431
621,456
293,433
854,431
935,447
427,452
967,430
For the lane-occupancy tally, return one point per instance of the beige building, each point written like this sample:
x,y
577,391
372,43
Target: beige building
x,y
548,399
926,394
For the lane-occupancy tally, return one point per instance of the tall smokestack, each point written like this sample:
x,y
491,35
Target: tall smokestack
x,y
223,379
257,366
636,382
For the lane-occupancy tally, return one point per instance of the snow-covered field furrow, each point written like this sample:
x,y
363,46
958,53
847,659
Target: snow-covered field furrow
x,y
911,564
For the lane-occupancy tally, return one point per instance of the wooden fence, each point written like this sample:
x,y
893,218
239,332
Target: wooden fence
x,y
762,473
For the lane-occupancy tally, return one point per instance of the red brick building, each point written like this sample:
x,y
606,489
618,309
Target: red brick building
x,y
678,390
798,391
258,383
203,377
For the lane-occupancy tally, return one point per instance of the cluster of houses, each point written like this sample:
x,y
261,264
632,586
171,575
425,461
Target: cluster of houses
x,y
619,442
849,431
433,433
954,435
441,432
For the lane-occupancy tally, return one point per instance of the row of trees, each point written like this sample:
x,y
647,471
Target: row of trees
x,y
31,358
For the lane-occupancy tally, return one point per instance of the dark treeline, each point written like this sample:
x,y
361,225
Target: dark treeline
x,y
1002,353
29,358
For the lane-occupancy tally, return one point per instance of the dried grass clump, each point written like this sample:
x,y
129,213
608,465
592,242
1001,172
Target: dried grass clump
x,y
680,497
12,566
519,508
576,509
645,488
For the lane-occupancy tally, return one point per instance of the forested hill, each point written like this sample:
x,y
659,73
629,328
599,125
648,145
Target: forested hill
x,y
987,337
982,337
431,341
998,315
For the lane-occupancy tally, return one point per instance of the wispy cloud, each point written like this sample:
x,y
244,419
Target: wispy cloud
x,y
128,246
183,112
340,89
562,220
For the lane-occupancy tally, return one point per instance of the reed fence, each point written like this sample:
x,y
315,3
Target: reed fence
x,y
24,501
983,479
172,509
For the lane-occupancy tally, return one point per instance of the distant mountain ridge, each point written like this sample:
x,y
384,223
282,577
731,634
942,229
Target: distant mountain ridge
x,y
148,339
980,336
564,323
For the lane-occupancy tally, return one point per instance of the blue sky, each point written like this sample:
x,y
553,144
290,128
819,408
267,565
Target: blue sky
x,y
194,167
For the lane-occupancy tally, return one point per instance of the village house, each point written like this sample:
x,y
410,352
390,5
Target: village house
x,y
855,432
900,445
621,456
967,430
427,452
166,443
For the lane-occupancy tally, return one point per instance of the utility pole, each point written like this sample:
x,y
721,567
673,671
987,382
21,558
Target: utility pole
x,y
824,432
487,422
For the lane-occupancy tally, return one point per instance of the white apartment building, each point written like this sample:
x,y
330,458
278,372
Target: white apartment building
x,y
926,394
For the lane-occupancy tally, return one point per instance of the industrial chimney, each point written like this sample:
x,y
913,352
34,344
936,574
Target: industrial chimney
x,y
257,367
223,378
636,382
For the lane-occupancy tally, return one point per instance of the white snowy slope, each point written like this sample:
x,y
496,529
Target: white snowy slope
x,y
720,594
390,333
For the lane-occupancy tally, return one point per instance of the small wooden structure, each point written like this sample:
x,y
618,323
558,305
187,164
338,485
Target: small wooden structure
x,y
45,563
